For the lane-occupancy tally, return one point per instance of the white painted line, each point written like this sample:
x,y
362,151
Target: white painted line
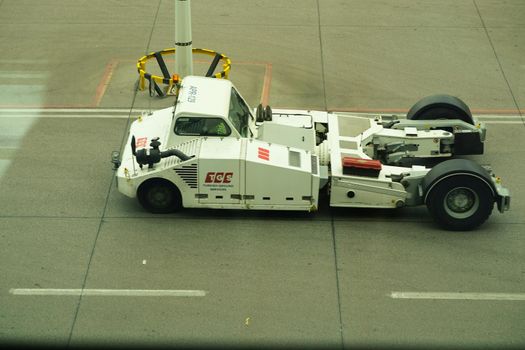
x,y
66,110
110,292
459,296
501,122
22,61
497,116
18,74
70,116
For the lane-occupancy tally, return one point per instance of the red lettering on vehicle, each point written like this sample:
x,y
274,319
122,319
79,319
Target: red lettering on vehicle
x,y
218,177
210,177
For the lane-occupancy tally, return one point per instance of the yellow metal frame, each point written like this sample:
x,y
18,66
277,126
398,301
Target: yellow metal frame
x,y
141,67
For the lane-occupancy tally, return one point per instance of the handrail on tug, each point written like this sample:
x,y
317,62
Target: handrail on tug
x,y
173,80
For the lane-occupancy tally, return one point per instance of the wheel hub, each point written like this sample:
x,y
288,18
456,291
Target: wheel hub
x,y
159,196
461,202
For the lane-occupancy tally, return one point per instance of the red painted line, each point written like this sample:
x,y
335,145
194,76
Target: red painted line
x,y
241,63
102,86
402,110
252,63
265,93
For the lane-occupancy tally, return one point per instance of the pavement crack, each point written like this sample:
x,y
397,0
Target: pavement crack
x,y
322,55
499,63
337,269
101,222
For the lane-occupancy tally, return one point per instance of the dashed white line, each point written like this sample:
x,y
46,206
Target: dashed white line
x,y
459,296
109,292
502,122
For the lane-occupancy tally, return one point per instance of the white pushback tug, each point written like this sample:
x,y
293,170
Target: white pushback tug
x,y
211,150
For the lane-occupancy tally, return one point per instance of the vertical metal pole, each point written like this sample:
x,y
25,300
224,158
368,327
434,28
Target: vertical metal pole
x,y
183,44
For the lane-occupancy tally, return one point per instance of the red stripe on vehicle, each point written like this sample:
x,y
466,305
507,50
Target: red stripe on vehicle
x,y
263,153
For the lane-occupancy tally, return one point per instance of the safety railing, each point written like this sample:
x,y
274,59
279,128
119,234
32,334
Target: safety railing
x,y
171,80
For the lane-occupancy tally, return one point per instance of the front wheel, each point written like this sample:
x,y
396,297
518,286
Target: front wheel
x,y
460,202
159,196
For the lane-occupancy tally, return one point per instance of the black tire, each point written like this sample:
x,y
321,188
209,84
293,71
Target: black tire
x,y
440,107
159,196
460,202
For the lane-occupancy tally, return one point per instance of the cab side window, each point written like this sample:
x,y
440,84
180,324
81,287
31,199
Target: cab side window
x,y
239,113
198,126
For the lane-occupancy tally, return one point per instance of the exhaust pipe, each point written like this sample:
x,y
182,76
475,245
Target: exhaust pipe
x,y
154,155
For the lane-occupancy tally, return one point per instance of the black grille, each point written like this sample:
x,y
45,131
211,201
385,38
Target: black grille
x,y
314,165
188,174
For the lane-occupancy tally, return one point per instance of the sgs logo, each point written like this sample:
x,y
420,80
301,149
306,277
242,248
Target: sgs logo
x,y
218,178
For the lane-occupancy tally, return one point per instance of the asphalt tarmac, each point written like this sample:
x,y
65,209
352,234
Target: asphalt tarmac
x,y
81,264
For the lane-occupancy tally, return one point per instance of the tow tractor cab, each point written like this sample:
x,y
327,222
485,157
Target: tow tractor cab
x,y
225,160
212,151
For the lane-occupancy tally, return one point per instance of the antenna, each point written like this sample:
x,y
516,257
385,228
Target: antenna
x,y
183,42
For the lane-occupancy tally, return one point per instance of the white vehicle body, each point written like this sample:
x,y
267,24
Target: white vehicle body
x,y
246,162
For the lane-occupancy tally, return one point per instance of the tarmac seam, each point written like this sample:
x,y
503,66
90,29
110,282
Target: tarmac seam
x,y
499,63
109,191
321,54
337,283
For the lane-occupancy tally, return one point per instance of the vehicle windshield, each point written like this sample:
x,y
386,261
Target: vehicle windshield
x,y
239,113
